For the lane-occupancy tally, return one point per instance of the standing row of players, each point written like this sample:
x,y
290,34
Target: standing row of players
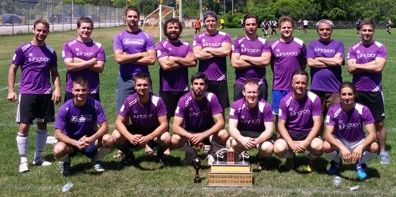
x,y
134,50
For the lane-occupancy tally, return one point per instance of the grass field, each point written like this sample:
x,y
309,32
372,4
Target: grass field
x,y
147,179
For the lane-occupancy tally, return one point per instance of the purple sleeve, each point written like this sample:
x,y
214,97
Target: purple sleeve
x,y
101,117
150,43
266,47
101,56
66,52
330,120
60,122
236,48
161,109
117,43
282,109
124,110
351,54
17,59
367,116
234,114
179,112
310,51
316,107
215,105
161,51
189,49
227,38
341,49
268,117
197,41
382,52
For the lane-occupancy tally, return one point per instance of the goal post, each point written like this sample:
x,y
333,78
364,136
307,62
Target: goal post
x,y
153,22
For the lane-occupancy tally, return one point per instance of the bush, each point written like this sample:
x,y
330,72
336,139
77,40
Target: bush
x,y
233,20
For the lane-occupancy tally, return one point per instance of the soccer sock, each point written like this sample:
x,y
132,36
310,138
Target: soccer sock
x,y
366,157
289,154
333,156
124,147
41,138
22,144
64,158
101,153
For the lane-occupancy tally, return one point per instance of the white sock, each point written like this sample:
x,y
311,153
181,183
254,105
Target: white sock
x,y
101,153
366,157
333,156
41,138
22,144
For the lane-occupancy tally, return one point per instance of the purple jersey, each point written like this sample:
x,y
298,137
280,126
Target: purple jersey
x,y
177,79
253,48
76,122
325,79
36,63
367,81
251,119
298,114
130,43
84,51
349,125
215,68
286,58
198,114
143,117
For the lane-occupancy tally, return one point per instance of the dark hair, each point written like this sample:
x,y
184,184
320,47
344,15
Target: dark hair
x,y
172,20
247,16
367,21
143,76
84,20
133,9
81,80
210,14
347,84
199,75
285,19
42,21
300,72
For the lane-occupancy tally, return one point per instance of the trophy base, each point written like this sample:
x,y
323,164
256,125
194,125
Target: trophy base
x,y
230,174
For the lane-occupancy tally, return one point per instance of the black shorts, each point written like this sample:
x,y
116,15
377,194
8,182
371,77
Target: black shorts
x,y
375,102
220,89
37,107
69,95
89,151
327,99
305,26
252,134
171,98
263,91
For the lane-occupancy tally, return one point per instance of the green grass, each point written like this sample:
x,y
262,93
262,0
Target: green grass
x,y
146,179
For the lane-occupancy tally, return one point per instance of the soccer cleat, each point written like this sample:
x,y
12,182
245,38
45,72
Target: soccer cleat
x,y
307,168
65,168
361,171
334,168
128,159
384,158
41,163
98,166
288,165
23,167
210,159
261,165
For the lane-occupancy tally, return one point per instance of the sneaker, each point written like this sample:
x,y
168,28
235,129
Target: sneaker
x,y
261,165
335,168
308,168
128,160
98,166
65,168
211,159
384,158
23,167
41,163
361,171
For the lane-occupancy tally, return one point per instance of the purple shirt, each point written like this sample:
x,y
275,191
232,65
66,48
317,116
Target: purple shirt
x,y
76,122
176,79
84,51
215,68
198,114
143,118
36,63
298,114
325,79
367,81
286,58
253,48
349,125
251,119
130,43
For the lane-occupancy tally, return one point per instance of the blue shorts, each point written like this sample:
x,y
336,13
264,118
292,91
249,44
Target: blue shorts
x,y
277,95
90,151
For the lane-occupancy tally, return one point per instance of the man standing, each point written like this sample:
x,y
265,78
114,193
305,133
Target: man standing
x,y
197,25
325,56
211,48
366,60
251,123
174,57
288,55
85,58
36,100
389,26
250,55
142,122
300,119
133,50
81,126
198,121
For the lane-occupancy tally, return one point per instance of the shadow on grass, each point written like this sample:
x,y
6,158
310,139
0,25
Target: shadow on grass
x,y
371,172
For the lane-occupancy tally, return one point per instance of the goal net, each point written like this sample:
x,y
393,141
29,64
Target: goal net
x,y
153,22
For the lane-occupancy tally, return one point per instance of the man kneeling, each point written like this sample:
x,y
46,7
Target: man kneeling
x,y
81,126
251,123
142,122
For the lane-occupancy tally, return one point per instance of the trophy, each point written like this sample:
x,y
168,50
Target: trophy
x,y
197,165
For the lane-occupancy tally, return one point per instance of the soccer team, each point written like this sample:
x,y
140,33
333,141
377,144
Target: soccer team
x,y
296,114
